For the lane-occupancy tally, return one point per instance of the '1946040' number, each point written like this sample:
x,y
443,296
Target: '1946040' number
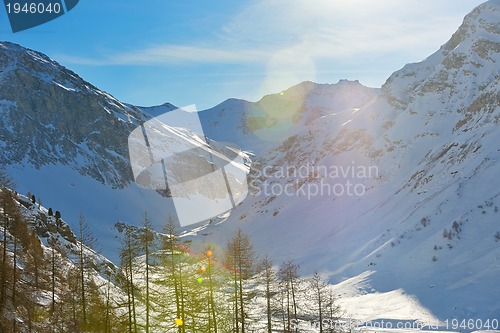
x,y
472,324
33,8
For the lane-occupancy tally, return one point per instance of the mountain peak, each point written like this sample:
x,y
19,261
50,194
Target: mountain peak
x,y
275,117
483,20
308,87
459,65
158,110
50,115
17,57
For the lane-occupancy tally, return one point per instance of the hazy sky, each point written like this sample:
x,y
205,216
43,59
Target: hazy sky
x,y
202,52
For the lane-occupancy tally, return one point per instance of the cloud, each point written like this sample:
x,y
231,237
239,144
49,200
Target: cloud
x,y
270,32
342,29
170,55
189,53
305,39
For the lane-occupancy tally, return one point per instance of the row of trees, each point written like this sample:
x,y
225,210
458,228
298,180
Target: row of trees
x,y
167,287
163,284
173,288
47,289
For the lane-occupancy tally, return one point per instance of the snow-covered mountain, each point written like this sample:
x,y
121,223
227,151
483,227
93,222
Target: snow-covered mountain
x,y
55,123
51,116
391,191
65,141
424,157
260,126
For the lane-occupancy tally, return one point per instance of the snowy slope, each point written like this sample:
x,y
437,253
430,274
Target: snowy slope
x,y
52,116
49,229
66,141
421,160
433,137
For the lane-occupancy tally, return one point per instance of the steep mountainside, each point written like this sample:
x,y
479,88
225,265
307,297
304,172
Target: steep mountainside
x,y
395,189
424,159
63,137
51,116
45,267
55,123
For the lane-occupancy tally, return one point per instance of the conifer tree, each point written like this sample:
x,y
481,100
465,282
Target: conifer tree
x,y
289,276
319,297
240,259
213,322
85,239
209,270
146,246
268,278
127,254
18,230
6,219
173,262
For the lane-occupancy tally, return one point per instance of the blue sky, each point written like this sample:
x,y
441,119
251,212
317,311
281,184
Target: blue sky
x,y
203,52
